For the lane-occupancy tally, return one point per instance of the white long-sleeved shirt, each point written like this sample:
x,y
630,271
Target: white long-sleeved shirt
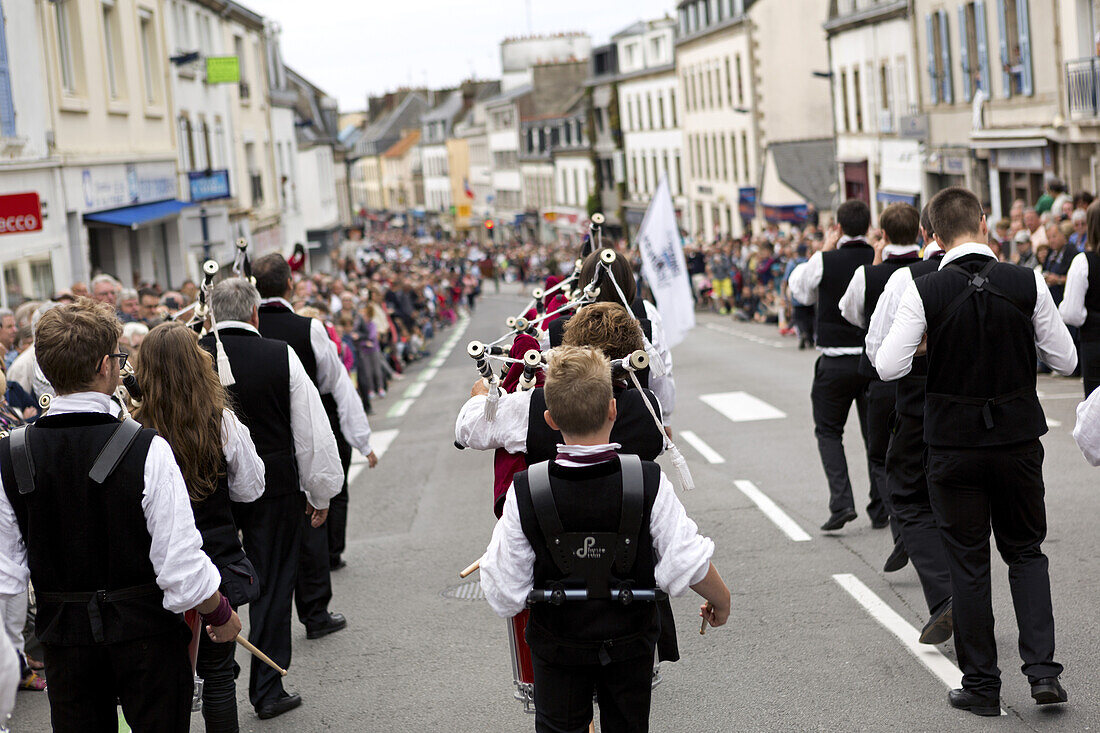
x,y
1072,308
333,379
508,566
851,303
184,572
1052,339
319,468
507,430
1086,432
244,466
804,283
887,307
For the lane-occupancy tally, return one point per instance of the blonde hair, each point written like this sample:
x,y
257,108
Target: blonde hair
x,y
578,389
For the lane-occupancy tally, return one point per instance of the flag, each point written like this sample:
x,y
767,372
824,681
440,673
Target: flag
x,y
664,266
466,187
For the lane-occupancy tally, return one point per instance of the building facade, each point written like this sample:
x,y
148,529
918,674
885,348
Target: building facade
x,y
605,131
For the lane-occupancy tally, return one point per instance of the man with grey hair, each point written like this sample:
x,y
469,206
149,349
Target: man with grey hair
x,y
7,336
281,407
105,289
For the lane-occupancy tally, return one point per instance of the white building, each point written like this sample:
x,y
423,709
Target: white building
x,y
472,130
436,126
35,252
506,200
519,55
648,114
874,86
284,137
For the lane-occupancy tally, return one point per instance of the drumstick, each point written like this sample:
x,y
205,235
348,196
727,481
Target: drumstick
x,y
703,626
470,569
260,655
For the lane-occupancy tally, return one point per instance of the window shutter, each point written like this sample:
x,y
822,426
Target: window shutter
x,y
1006,75
983,46
964,53
945,46
934,81
7,107
1025,47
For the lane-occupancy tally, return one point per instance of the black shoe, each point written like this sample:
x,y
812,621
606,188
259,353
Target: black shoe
x,y
964,699
838,520
898,559
939,627
337,564
880,523
335,622
1048,691
282,704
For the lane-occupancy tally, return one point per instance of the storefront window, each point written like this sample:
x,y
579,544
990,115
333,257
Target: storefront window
x,y
12,286
42,279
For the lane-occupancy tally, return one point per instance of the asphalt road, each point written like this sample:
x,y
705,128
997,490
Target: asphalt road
x,y
817,638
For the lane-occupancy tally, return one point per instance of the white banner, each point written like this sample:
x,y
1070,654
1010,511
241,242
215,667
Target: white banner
x,y
664,266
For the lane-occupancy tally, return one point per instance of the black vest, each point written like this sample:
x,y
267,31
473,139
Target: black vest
x,y
837,268
911,387
634,428
1090,329
214,519
589,499
261,399
875,279
276,322
981,357
85,537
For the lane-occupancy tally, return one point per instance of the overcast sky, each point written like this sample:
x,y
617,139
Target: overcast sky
x,y
351,48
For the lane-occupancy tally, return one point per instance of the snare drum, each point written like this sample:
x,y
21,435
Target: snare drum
x,y
523,673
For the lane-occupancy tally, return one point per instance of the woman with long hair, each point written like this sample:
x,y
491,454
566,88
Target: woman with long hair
x,y
183,400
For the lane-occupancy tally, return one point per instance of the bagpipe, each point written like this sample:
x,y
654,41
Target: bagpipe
x,y
521,366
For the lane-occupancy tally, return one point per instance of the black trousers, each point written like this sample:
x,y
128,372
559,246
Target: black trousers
x,y
218,670
837,384
1090,365
912,509
272,530
803,317
337,523
972,489
563,695
313,589
881,398
151,677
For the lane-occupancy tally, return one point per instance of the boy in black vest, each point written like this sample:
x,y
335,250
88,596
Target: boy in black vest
x,y
589,540
983,324
837,379
97,510
898,250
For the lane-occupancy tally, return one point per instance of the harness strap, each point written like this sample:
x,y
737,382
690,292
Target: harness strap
x,y
977,284
21,459
538,480
630,521
117,446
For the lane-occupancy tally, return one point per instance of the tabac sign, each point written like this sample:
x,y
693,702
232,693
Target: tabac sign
x,y
20,213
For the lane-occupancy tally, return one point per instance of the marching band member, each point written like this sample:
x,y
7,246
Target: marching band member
x,y
908,486
282,409
983,324
624,288
600,646
898,250
321,546
182,399
1081,305
97,509
838,383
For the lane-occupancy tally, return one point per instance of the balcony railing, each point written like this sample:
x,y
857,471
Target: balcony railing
x,y
1083,87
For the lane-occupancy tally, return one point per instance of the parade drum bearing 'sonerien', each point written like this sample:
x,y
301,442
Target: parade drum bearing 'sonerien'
x,y
523,671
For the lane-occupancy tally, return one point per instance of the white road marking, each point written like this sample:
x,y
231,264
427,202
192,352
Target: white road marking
x,y
416,389
428,374
742,406
772,511
1052,423
380,441
1070,396
704,450
927,654
400,408
747,336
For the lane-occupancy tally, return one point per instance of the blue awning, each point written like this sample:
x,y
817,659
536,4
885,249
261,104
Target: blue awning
x,y
889,197
135,217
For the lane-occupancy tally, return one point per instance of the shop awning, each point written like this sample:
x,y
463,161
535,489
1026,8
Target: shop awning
x,y
893,197
142,215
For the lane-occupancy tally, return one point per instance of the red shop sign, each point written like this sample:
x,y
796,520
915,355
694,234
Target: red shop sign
x,y
20,212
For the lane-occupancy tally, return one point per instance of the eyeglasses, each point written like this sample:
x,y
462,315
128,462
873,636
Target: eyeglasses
x,y
121,360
